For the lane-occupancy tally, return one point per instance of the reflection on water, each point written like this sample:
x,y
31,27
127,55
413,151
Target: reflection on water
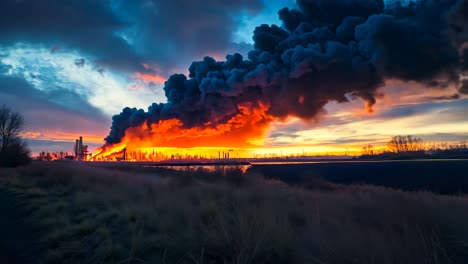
x,y
209,168
254,163
222,168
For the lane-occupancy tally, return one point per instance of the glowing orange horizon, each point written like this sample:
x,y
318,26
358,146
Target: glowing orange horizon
x,y
59,136
240,132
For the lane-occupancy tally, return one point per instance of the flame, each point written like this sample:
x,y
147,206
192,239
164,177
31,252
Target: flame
x,y
369,107
169,138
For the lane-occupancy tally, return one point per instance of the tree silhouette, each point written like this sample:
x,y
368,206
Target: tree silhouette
x,y
405,144
11,124
368,150
13,151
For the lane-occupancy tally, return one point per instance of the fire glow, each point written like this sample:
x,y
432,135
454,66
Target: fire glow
x,y
169,138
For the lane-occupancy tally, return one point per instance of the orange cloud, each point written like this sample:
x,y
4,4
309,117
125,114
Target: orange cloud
x,y
31,134
150,78
60,136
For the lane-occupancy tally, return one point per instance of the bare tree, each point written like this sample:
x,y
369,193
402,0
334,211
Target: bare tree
x,y
405,144
368,150
11,124
13,151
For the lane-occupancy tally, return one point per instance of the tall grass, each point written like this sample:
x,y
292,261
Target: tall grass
x,y
95,215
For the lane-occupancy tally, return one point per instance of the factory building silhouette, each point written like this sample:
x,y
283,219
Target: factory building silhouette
x,y
81,151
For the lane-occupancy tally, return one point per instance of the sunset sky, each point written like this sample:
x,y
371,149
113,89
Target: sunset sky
x,y
69,66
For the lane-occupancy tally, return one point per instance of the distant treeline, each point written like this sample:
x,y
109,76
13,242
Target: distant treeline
x,y
412,147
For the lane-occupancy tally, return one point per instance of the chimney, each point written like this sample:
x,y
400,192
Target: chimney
x,y
76,149
80,149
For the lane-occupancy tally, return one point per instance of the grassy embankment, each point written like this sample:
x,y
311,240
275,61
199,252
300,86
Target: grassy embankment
x,y
95,215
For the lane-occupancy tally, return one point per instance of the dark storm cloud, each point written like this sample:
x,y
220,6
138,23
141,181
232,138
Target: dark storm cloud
x,y
87,25
329,50
122,35
171,31
456,112
46,119
41,112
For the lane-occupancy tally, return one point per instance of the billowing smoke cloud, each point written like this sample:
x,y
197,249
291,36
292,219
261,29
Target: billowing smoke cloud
x,y
123,35
327,50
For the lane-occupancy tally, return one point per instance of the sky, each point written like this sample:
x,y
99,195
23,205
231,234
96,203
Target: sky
x,y
69,66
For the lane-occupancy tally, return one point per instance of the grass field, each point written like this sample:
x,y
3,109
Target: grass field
x,y
96,215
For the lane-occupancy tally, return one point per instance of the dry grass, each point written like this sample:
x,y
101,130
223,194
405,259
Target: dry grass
x,y
94,215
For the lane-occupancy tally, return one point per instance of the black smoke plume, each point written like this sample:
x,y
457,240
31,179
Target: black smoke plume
x,y
326,50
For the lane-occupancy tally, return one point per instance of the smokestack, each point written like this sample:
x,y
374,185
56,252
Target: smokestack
x,y
76,149
80,149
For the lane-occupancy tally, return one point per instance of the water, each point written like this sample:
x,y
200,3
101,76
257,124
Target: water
x,y
440,176
209,168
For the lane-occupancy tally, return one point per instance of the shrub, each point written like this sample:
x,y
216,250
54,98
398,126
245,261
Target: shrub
x,y
14,155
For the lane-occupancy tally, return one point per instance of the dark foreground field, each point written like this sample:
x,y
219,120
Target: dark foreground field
x,y
71,213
